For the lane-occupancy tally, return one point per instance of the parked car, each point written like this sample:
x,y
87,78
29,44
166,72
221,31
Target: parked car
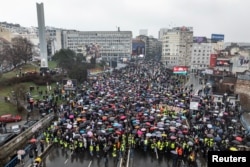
x,y
10,118
4,138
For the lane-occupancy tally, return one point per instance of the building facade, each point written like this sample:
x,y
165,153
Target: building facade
x,y
113,45
177,46
153,47
201,51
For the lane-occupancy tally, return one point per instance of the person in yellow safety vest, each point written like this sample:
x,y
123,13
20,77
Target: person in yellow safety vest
x,y
172,145
97,149
61,142
91,149
56,141
206,141
122,149
71,147
161,146
129,139
185,148
123,138
114,154
145,142
167,146
80,146
158,144
47,139
153,145
65,145
211,143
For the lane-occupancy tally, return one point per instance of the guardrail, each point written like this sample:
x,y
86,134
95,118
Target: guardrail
x,y
10,148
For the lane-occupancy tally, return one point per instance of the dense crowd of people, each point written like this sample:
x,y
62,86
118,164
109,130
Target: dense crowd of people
x,y
142,107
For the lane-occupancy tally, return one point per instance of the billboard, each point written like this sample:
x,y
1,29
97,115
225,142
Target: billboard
x,y
199,39
223,62
180,69
213,58
69,84
243,61
138,48
217,37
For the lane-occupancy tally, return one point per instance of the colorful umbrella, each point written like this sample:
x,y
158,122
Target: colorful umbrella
x,y
33,140
238,138
233,149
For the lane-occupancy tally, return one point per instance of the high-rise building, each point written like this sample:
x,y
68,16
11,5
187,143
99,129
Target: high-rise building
x,y
42,35
177,46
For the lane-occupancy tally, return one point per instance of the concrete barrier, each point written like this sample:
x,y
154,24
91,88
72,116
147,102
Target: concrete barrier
x,y
9,149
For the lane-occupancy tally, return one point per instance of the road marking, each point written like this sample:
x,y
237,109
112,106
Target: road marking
x,y
90,163
66,161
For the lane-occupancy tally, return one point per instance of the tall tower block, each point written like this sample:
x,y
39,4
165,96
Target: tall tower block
x,y
42,35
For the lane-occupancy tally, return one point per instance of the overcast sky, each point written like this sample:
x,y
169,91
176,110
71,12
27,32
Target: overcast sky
x,y
228,17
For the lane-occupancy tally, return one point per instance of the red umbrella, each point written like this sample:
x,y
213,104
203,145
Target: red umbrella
x,y
148,123
185,131
118,132
123,117
238,138
33,140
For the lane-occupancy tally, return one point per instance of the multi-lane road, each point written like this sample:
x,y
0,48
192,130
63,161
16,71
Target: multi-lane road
x,y
138,158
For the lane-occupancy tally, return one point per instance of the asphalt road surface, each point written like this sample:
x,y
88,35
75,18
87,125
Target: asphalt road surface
x,y
60,158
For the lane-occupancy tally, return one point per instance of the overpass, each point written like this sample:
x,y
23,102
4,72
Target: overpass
x,y
10,149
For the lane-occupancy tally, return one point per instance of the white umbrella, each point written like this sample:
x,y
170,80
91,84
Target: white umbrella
x,y
178,124
234,120
185,126
21,152
209,126
190,143
148,135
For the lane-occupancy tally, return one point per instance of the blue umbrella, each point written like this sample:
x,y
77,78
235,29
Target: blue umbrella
x,y
220,131
217,139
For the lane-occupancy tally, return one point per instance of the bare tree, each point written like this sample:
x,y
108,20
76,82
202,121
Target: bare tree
x,y
11,56
19,51
23,47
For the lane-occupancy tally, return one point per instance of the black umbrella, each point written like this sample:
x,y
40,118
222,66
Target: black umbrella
x,y
236,142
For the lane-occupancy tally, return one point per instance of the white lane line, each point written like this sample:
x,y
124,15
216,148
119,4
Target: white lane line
x,y
66,161
90,163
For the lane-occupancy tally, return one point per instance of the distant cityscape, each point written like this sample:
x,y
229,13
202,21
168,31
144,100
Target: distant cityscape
x,y
173,47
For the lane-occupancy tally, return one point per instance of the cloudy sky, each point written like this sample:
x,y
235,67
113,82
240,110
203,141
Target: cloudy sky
x,y
228,17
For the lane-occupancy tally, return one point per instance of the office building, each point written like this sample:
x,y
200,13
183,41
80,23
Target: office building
x,y
110,45
177,46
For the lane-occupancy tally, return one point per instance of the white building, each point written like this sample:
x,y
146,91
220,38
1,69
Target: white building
x,y
201,51
112,45
177,46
